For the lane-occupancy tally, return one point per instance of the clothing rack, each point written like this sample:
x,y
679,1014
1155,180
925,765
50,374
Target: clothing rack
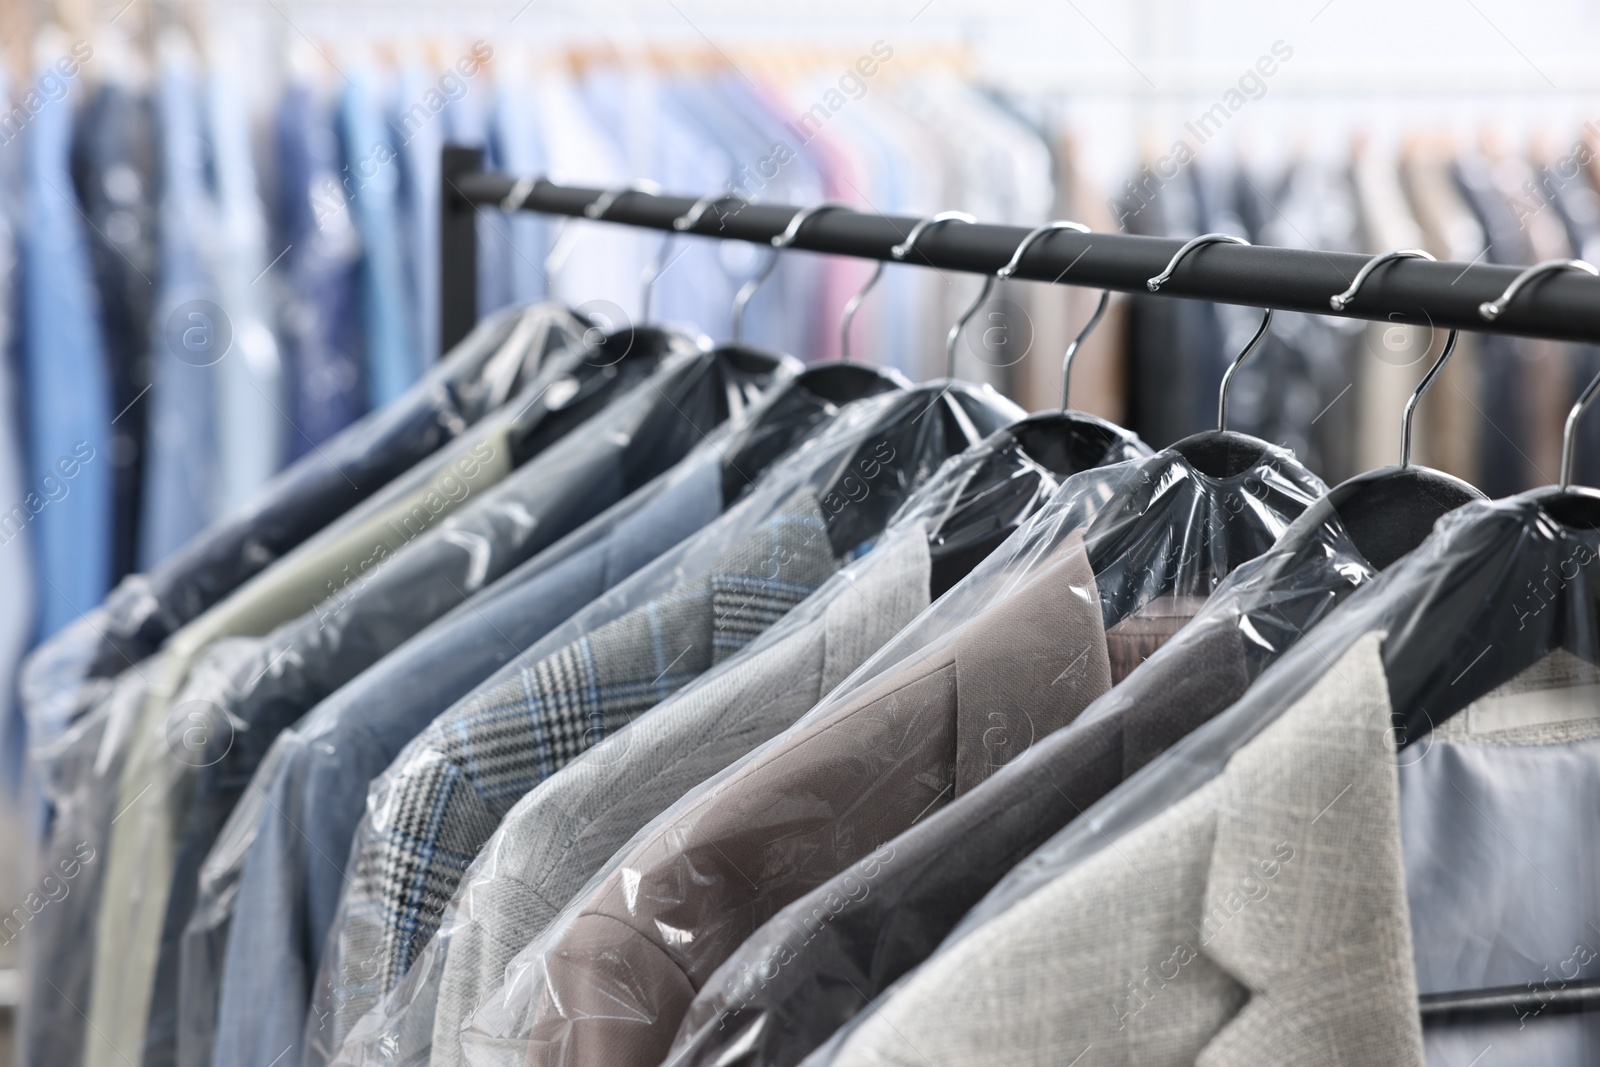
x,y
1419,292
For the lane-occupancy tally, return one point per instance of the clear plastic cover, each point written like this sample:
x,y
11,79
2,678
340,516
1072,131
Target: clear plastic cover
x,y
476,376
866,464
325,761
800,977
1474,657
82,768
178,737
260,685
514,887
609,981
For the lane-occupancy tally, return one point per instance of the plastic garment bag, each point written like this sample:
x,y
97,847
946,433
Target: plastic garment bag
x,y
529,868
1013,652
819,962
691,609
790,985
1304,857
277,860
262,685
477,375
84,765
63,681
181,741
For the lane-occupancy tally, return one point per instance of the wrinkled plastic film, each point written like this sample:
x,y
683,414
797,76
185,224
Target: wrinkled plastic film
x,y
792,984
869,460
1430,613
482,919
1178,520
257,686
437,663
79,772
144,608
240,691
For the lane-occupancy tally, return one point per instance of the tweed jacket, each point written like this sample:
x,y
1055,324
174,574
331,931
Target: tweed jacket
x,y
560,834
456,781
1260,919
615,974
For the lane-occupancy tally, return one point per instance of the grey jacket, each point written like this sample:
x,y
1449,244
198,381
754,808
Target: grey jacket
x,y
1261,919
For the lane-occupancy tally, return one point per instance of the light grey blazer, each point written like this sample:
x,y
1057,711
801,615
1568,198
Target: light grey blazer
x,y
1260,920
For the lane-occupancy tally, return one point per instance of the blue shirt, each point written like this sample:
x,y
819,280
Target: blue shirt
x,y
67,506
374,174
323,325
189,335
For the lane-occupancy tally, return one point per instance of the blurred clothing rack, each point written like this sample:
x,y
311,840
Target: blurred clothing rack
x,y
1440,294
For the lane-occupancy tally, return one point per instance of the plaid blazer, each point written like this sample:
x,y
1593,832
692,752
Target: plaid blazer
x,y
558,836
452,785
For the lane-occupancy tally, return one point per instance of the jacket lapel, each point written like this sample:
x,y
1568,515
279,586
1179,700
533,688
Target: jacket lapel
x,y
1305,899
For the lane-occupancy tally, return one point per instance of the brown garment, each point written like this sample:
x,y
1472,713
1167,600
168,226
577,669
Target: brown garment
x,y
622,971
1140,635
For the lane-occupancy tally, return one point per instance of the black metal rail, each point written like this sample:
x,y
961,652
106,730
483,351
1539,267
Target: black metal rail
x,y
1564,306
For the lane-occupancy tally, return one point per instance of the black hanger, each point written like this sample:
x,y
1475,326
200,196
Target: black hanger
x,y
613,357
802,403
1515,588
1028,459
918,431
1147,542
1388,512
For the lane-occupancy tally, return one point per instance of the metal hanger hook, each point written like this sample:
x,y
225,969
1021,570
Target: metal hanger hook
x,y
603,203
1416,396
1094,320
779,243
691,218
909,245
1155,284
850,308
1492,309
955,331
1570,430
1233,368
906,247
899,251
1343,300
567,236
658,263
517,198
1077,342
